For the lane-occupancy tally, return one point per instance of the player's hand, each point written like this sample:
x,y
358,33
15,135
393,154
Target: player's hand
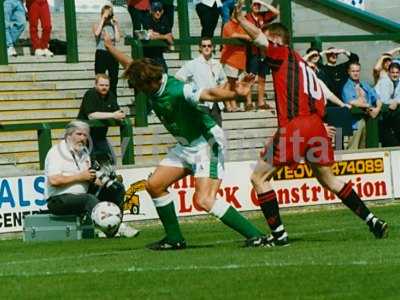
x,y
330,130
243,87
107,40
119,115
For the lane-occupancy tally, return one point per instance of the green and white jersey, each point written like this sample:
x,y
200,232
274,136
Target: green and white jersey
x,y
176,105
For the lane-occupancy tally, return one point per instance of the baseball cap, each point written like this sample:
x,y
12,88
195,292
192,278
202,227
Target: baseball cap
x,y
156,6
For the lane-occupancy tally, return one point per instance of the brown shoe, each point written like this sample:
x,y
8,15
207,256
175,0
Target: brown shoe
x,y
263,107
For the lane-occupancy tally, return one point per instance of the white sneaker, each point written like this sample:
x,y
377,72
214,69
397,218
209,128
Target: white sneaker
x,y
100,234
39,52
47,52
127,231
11,51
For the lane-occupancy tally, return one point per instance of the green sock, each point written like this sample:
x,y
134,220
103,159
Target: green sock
x,y
170,222
232,218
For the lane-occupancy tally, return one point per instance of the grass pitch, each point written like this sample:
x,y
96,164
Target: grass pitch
x,y
332,256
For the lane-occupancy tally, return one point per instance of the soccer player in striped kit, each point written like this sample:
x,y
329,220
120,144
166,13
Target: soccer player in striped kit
x,y
301,135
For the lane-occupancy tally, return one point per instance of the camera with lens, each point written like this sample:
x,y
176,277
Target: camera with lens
x,y
105,172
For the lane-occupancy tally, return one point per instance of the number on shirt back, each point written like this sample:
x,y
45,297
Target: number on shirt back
x,y
310,82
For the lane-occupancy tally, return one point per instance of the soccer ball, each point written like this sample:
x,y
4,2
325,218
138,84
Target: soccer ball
x,y
107,217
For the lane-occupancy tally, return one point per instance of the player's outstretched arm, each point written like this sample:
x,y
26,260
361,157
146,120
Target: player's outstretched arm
x,y
123,59
250,28
223,93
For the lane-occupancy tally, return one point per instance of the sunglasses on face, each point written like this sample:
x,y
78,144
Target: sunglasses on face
x,y
207,46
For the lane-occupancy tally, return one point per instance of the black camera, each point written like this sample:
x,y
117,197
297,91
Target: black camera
x,y
105,172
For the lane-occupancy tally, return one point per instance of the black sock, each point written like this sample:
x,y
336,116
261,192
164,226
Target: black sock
x,y
350,198
270,208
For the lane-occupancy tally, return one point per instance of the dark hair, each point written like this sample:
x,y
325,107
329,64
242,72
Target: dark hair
x,y
353,63
394,65
311,49
142,72
205,38
280,30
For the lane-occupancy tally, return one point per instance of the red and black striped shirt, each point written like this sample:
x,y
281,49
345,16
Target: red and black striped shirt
x,y
297,91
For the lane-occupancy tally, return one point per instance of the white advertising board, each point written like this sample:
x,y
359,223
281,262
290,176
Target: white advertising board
x,y
369,172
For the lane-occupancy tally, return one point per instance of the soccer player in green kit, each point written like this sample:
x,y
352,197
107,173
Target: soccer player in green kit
x,y
199,148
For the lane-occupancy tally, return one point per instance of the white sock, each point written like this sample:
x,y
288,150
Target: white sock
x,y
163,200
219,208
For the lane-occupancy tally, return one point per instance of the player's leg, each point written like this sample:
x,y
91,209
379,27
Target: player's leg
x,y
205,196
157,186
349,197
267,200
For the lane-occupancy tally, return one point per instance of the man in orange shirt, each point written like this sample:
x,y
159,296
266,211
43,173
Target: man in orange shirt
x,y
233,58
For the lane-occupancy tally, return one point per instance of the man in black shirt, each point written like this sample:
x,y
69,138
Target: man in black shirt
x,y
100,103
159,29
336,74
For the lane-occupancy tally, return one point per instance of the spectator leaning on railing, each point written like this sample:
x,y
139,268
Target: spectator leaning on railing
x,y
388,90
38,10
15,21
361,95
159,28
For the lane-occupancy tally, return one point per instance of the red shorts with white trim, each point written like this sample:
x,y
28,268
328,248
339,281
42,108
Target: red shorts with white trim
x,y
303,139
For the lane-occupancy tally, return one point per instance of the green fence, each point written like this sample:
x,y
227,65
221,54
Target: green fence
x,y
44,136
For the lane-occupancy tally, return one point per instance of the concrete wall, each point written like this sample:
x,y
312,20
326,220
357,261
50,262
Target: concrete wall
x,y
309,22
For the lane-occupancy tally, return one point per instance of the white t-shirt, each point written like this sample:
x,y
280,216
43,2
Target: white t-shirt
x,y
204,74
60,161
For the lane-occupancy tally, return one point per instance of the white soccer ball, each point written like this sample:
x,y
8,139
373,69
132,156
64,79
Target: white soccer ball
x,y
107,217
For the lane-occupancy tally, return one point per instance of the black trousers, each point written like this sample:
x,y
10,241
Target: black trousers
x,y
104,61
208,19
138,18
81,204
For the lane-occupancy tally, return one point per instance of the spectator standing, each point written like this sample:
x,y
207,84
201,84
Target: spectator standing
x,y
158,29
233,58
100,103
360,94
67,168
205,73
15,22
38,10
256,60
388,90
226,10
208,12
336,74
139,11
104,61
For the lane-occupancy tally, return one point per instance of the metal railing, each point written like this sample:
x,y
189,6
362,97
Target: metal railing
x,y
45,141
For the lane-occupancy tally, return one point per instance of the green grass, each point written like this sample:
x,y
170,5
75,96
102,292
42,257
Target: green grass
x,y
332,256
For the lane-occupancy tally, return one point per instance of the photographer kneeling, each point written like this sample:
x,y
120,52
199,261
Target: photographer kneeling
x,y
69,176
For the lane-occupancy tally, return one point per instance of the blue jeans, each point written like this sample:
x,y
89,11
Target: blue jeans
x,y
226,10
15,20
